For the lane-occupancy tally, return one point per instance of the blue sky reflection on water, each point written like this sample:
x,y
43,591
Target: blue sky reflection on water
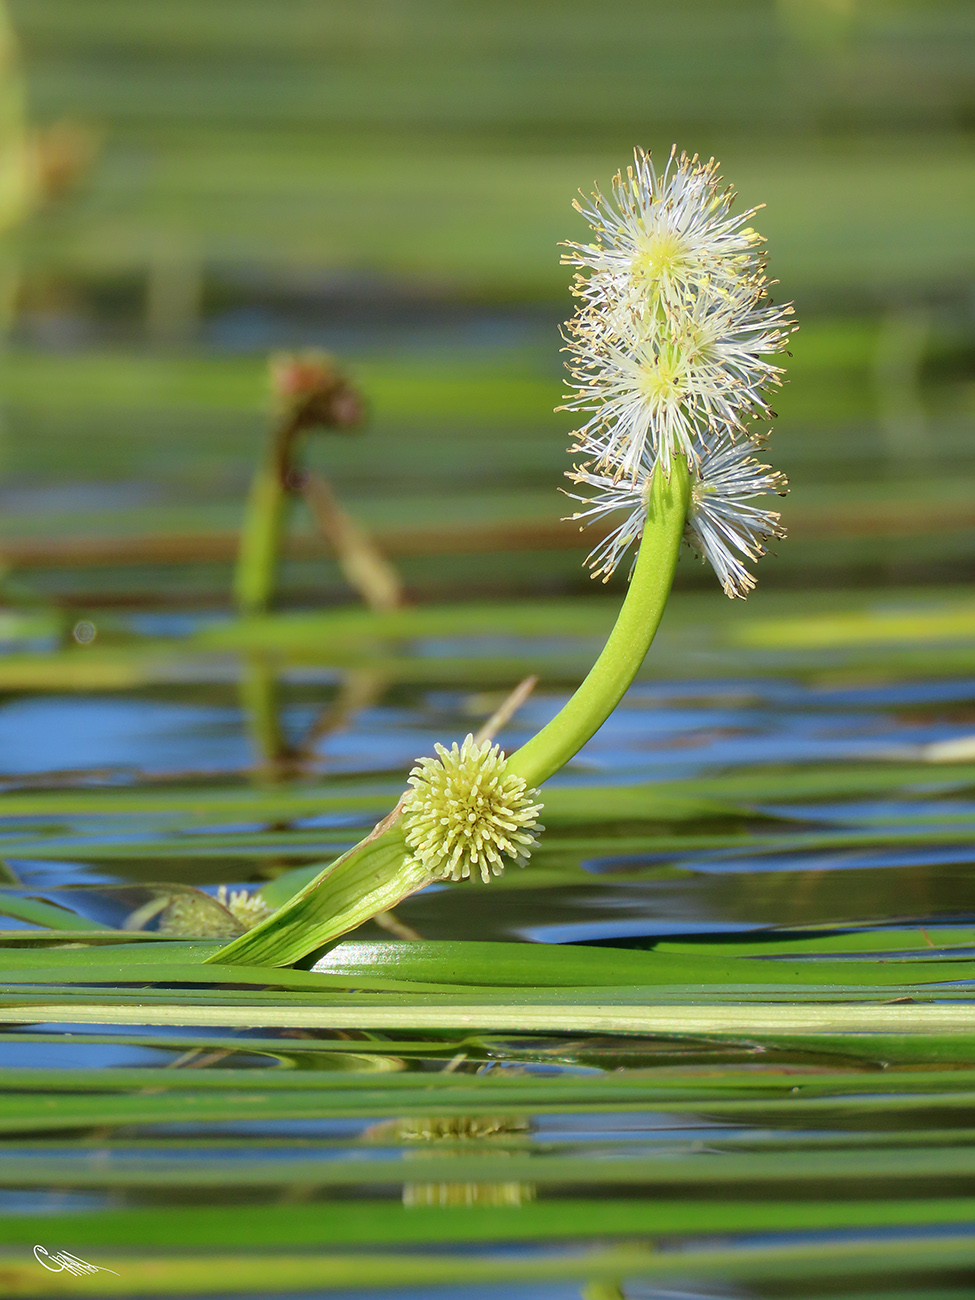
x,y
68,733
660,732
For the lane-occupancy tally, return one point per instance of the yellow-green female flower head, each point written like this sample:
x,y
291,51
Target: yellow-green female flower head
x,y
465,812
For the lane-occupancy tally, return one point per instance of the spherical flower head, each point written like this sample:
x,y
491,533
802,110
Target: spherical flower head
x,y
466,813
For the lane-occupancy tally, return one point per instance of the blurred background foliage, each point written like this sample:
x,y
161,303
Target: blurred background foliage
x,y
390,180
203,182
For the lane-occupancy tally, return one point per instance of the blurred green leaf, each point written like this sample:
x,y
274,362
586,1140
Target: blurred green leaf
x,y
36,912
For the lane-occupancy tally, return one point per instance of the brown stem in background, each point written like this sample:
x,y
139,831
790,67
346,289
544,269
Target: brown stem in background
x,y
391,922
312,394
358,689
506,710
360,559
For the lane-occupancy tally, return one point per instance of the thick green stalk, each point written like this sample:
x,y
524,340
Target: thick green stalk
x,y
629,641
260,537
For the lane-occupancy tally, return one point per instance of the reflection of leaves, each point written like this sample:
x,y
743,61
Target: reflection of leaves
x,y
446,1128
461,1137
451,1195
34,911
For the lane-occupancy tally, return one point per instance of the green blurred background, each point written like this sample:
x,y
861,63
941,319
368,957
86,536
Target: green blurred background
x,y
390,179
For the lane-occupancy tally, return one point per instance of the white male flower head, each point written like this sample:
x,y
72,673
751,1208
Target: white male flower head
x,y
721,520
465,812
664,235
660,383
672,344
611,496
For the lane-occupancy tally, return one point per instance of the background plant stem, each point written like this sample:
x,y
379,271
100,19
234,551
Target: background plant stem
x,y
262,532
378,873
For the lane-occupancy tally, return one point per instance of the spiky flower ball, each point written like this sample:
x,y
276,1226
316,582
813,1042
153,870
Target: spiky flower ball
x,y
247,909
466,812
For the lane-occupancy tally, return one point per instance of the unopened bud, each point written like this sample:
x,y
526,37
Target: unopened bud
x,y
314,392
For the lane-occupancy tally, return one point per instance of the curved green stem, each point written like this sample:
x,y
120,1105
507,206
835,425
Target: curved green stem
x,y
630,639
380,872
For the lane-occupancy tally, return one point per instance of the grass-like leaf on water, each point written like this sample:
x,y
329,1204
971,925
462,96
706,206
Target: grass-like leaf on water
x,y
818,1063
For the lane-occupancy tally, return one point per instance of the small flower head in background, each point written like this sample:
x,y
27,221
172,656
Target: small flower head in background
x,y
465,813
188,913
246,908
313,392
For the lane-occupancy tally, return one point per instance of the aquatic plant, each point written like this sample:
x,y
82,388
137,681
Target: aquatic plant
x,y
467,811
311,393
669,360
